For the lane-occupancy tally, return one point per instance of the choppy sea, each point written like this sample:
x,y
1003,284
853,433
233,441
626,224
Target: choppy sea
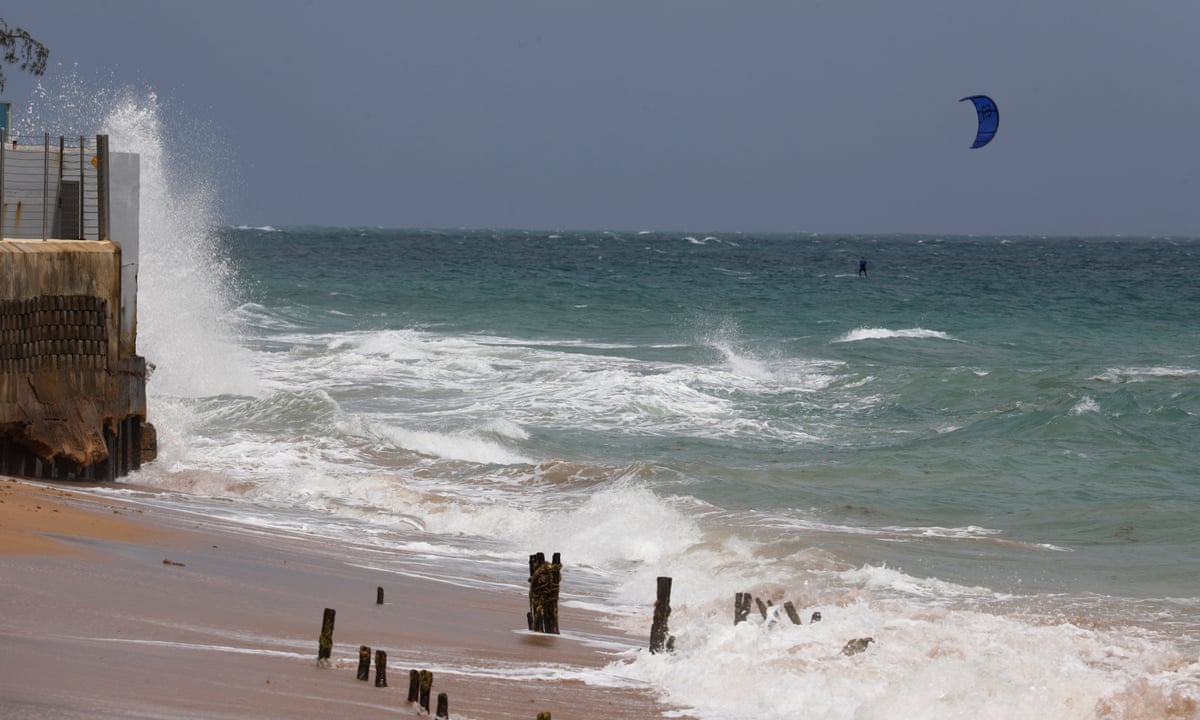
x,y
983,454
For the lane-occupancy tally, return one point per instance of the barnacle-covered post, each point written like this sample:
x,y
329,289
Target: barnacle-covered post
x,y
544,580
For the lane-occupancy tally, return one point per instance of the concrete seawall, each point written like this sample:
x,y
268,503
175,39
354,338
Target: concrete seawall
x,y
72,390
72,387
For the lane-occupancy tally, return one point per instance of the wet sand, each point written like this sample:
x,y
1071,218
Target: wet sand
x,y
115,609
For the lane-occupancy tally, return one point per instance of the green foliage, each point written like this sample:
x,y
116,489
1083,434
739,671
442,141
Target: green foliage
x,y
22,50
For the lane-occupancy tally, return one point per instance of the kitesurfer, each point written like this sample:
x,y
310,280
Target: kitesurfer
x,y
862,266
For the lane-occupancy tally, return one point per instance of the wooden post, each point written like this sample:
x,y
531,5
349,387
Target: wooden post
x,y
443,706
552,593
762,607
535,561
543,716
741,607
426,688
379,596
544,580
380,668
414,686
816,617
662,611
325,649
790,609
364,662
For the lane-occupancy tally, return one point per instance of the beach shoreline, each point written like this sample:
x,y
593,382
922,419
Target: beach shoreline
x,y
120,609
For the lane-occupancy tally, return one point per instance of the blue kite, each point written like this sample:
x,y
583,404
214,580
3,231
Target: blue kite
x,y
989,119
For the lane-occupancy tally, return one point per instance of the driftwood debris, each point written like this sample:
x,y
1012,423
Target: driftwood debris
x,y
741,612
544,580
857,645
325,646
659,637
743,601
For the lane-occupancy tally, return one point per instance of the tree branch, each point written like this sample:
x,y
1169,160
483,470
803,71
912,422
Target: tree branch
x,y
22,50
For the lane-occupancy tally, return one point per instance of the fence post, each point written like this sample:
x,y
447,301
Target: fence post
x,y
82,232
2,206
45,184
102,187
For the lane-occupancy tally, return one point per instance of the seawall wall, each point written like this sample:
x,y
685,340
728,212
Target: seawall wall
x,y
72,394
72,386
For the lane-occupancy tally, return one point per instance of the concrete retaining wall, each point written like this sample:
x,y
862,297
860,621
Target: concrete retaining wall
x,y
72,389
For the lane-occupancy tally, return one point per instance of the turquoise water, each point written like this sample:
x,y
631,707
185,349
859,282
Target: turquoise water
x,y
1046,390
982,455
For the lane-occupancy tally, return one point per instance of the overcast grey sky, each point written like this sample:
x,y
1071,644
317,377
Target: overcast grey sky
x,y
809,116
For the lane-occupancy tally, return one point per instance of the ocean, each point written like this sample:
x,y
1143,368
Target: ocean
x,y
983,454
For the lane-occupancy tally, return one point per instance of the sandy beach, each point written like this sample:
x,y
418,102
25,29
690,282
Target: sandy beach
x,y
116,609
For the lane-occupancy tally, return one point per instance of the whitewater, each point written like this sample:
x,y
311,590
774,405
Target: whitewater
x,y
982,456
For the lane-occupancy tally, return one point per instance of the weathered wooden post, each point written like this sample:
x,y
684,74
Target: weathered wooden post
x,y
380,668
552,593
379,596
443,706
816,617
662,611
790,609
543,716
325,648
426,688
414,686
544,580
535,561
364,662
762,607
741,607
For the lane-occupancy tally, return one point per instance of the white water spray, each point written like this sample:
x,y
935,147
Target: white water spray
x,y
185,299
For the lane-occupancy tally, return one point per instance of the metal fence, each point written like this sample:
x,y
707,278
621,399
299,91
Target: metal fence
x,y
53,190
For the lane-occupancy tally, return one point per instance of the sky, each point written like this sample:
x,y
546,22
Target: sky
x,y
822,116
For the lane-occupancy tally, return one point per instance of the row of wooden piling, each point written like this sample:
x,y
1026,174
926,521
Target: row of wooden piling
x,y
741,609
544,581
420,682
545,578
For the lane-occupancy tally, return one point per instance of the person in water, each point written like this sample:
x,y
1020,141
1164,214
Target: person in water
x,y
862,266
